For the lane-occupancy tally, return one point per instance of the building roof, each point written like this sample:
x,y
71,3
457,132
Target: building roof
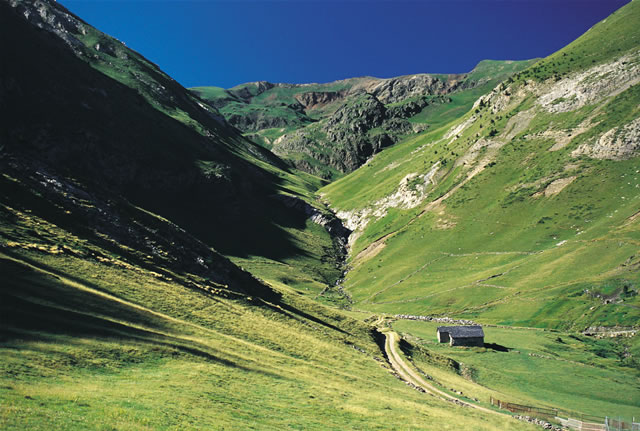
x,y
462,331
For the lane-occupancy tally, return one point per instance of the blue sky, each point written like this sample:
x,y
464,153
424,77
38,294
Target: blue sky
x,y
225,43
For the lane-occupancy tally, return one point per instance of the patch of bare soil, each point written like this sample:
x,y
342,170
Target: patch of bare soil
x,y
555,187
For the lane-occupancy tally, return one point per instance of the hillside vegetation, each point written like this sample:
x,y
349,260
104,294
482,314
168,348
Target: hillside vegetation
x,y
331,129
524,211
167,263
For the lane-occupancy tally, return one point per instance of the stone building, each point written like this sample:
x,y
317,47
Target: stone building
x,y
461,335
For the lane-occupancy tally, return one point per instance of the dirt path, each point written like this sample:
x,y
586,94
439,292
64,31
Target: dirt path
x,y
409,375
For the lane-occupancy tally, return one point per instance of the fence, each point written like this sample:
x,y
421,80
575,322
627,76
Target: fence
x,y
582,425
527,410
619,424
580,422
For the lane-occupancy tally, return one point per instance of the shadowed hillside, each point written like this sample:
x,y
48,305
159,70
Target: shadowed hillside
x,y
163,269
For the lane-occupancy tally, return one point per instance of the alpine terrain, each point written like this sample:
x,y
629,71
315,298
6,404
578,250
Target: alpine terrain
x,y
278,256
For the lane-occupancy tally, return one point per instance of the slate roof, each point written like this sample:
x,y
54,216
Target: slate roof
x,y
462,331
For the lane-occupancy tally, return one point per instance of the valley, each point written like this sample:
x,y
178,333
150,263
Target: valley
x,y
246,258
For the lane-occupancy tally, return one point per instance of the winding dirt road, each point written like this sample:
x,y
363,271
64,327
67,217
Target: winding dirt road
x,y
409,375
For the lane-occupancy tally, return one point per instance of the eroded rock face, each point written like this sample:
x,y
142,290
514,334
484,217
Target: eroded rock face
x,y
620,143
592,85
318,99
397,89
412,190
364,113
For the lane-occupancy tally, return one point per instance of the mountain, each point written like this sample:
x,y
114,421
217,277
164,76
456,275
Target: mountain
x,y
331,129
525,210
126,207
162,270
522,213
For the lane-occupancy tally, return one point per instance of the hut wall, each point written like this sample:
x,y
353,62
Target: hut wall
x,y
469,341
443,337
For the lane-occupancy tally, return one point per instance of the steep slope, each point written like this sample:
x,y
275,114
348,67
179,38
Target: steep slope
x,y
330,129
524,214
116,311
167,151
524,211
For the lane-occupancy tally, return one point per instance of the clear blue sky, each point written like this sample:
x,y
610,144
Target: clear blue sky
x,y
225,43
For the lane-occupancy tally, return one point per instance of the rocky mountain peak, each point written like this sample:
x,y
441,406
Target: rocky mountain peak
x,y
318,99
397,89
363,112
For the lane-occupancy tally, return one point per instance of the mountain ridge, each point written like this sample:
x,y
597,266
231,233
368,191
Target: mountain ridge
x,y
290,119
161,270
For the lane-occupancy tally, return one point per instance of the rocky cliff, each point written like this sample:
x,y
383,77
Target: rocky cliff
x,y
331,129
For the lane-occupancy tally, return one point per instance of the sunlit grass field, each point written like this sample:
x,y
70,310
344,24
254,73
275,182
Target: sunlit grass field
x,y
93,346
567,371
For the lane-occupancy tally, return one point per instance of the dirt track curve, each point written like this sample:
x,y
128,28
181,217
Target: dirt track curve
x,y
409,375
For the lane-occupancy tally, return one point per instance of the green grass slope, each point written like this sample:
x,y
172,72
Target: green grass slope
x,y
519,213
113,317
524,213
188,361
117,312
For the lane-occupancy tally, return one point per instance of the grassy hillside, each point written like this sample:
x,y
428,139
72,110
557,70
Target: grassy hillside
x,y
159,268
574,373
120,196
117,325
298,122
90,338
519,213
523,213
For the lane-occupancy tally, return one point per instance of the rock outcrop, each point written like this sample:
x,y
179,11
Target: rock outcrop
x,y
318,99
333,128
358,129
620,143
396,90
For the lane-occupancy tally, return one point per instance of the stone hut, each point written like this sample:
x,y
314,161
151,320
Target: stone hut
x,y
461,335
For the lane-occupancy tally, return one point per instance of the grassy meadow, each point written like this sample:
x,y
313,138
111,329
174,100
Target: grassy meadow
x,y
543,368
89,345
